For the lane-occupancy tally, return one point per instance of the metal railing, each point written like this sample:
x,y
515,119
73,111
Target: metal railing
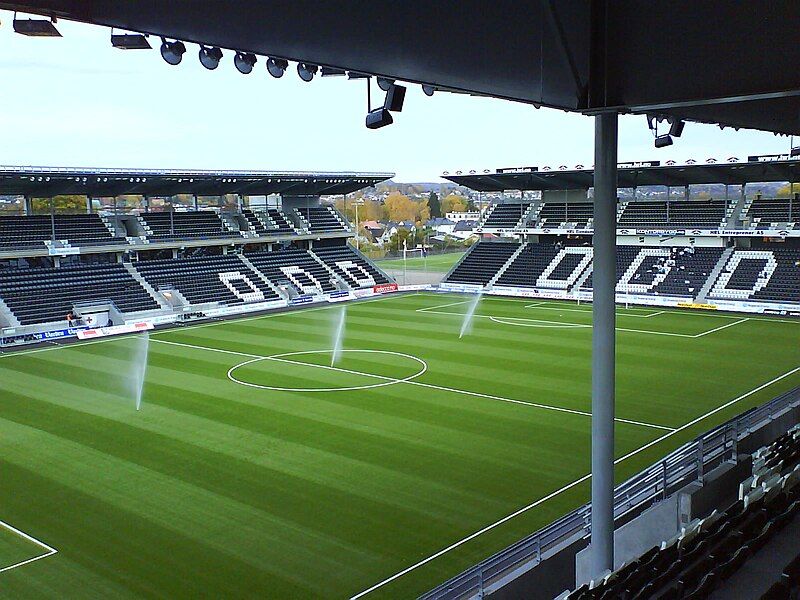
x,y
682,466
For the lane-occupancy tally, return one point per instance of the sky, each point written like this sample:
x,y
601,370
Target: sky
x,y
77,102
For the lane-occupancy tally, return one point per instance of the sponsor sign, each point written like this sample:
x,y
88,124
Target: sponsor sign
x,y
88,334
384,288
660,232
57,333
301,300
340,296
63,251
696,305
365,293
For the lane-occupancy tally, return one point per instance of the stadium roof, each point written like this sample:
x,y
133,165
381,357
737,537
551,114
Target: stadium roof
x,y
52,181
634,175
720,62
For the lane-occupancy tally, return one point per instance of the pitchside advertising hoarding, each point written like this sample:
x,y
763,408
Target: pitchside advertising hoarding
x,y
88,334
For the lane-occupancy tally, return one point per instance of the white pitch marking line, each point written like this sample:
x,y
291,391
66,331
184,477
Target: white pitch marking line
x,y
567,487
721,328
430,308
30,538
666,333
419,383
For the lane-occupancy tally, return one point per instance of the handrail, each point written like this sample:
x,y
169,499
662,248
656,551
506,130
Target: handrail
x,y
656,482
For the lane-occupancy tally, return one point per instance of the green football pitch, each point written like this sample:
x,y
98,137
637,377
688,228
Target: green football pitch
x,y
434,263
256,469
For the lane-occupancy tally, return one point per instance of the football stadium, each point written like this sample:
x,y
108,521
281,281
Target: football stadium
x,y
207,389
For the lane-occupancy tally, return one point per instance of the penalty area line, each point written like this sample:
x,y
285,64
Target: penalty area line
x,y
569,486
49,550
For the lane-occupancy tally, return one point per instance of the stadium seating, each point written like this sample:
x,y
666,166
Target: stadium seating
x,y
764,211
640,270
350,266
47,295
282,225
482,263
528,266
760,274
166,226
320,219
84,230
295,268
576,215
224,279
256,225
700,214
506,215
710,551
25,233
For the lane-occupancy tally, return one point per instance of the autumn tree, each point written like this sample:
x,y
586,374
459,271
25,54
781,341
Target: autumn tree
x,y
400,207
454,203
64,204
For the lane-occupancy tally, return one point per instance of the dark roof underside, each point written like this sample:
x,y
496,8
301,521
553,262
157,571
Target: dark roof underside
x,y
629,177
43,182
727,61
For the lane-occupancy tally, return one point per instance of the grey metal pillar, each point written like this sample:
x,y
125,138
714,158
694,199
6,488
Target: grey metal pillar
x,y
604,275
89,204
52,220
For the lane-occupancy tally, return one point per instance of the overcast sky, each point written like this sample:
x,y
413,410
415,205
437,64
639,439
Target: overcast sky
x,y
76,101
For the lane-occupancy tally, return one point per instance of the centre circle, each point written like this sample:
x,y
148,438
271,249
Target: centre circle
x,y
381,380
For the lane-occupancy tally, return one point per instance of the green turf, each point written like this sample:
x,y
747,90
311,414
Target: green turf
x,y
435,263
216,489
15,549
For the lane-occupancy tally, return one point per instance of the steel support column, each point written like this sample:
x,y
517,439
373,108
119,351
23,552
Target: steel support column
x,y
604,275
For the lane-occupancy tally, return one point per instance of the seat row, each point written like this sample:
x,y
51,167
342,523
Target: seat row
x,y
709,551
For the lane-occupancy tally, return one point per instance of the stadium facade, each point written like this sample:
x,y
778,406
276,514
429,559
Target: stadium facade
x,y
737,252
121,268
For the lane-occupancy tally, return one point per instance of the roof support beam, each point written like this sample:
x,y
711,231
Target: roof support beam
x,y
604,277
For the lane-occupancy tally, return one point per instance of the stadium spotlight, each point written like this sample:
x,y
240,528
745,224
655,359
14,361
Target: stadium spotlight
x,y
332,71
172,52
676,127
36,27
662,141
277,66
385,83
428,89
394,98
210,57
357,75
380,117
306,71
244,62
130,41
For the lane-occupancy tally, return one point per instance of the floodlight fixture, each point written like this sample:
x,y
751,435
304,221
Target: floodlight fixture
x,y
676,127
244,62
357,75
172,52
395,96
662,141
36,27
332,72
130,41
306,71
428,89
385,83
380,117
277,66
210,57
